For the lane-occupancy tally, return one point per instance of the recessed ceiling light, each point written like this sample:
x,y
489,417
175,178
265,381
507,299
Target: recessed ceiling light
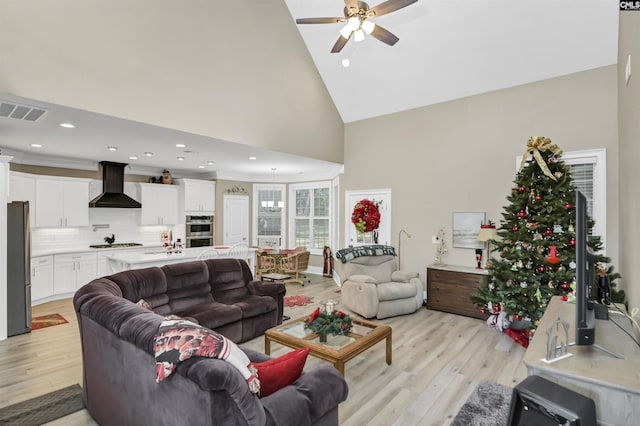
x,y
210,162
200,166
180,158
252,158
67,125
133,157
148,154
36,145
346,62
180,145
112,148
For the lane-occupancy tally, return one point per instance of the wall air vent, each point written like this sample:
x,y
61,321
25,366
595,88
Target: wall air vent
x,y
20,112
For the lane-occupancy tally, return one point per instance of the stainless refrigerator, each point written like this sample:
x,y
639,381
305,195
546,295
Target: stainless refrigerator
x,y
18,268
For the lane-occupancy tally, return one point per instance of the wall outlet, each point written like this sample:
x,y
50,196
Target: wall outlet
x,y
435,239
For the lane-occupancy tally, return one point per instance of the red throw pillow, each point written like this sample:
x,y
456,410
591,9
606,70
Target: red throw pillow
x,y
277,373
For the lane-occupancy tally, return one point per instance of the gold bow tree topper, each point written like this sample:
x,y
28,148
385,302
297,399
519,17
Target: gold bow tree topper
x,y
536,145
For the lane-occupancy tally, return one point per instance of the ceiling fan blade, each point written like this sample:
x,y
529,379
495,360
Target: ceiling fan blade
x,y
388,7
384,36
319,20
339,44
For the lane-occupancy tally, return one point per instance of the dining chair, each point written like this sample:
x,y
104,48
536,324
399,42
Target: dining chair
x,y
296,264
265,263
239,251
209,254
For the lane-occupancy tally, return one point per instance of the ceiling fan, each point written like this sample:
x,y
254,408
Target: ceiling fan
x,y
357,15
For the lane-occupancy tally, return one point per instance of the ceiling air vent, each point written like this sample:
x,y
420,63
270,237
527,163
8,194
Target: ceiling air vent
x,y
20,112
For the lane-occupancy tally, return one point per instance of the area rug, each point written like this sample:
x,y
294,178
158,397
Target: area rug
x,y
291,301
43,409
488,405
47,321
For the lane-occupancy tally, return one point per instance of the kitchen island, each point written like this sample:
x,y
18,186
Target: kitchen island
x,y
117,262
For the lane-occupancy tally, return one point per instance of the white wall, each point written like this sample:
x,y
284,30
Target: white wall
x,y
234,70
460,155
629,159
4,198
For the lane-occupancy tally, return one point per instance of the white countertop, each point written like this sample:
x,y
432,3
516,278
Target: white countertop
x,y
86,249
158,256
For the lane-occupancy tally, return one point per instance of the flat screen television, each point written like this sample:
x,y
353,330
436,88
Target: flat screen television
x,y
585,277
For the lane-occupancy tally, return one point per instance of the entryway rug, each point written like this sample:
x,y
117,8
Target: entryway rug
x,y
291,301
488,405
47,321
45,408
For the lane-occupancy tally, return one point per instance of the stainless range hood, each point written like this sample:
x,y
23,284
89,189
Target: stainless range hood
x,y
113,195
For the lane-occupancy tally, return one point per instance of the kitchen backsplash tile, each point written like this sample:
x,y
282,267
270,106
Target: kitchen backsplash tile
x,y
123,223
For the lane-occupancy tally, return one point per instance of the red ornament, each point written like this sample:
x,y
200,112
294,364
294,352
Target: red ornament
x,y
515,228
496,308
521,214
572,242
553,259
564,298
568,206
517,317
540,268
565,286
548,231
538,197
522,188
483,311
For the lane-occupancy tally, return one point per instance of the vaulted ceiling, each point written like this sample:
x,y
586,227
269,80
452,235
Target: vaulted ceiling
x,y
447,49
450,49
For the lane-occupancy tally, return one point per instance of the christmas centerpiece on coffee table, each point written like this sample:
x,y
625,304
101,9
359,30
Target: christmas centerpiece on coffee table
x,y
324,323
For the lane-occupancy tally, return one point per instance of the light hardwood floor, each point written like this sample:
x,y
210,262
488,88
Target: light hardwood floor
x,y
438,359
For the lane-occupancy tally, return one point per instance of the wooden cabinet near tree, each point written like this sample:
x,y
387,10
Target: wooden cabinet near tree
x,y
449,287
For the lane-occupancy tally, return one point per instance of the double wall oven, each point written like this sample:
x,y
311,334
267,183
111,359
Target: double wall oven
x,y
199,231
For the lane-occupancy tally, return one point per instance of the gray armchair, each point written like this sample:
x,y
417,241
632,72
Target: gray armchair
x,y
373,287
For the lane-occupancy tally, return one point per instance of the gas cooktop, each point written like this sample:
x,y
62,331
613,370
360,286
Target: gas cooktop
x,y
116,245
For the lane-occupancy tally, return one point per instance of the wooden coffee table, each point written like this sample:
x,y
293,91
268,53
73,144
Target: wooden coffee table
x,y
338,349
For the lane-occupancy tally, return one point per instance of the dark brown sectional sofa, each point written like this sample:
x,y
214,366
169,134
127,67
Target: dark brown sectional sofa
x,y
117,334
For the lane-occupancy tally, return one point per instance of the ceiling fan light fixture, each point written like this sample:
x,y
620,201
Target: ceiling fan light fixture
x,y
368,26
358,35
353,23
346,31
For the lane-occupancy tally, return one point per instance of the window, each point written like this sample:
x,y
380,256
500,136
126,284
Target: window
x,y
589,175
269,215
310,213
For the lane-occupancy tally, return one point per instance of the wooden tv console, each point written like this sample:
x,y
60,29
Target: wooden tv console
x,y
613,384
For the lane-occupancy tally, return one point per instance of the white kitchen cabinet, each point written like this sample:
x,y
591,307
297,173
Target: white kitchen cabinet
x,y
72,271
22,187
198,197
62,203
41,278
159,204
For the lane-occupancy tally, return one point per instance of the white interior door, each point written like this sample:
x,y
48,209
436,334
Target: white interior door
x,y
235,219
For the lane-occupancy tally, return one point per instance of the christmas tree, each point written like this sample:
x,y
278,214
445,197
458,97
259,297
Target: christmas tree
x,y
537,246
